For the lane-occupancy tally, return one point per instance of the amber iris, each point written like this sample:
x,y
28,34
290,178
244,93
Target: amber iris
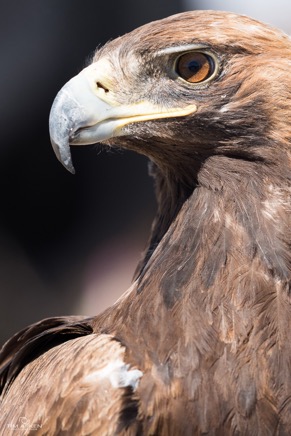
x,y
194,67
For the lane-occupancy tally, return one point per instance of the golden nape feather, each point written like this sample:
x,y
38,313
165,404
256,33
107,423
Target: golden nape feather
x,y
200,342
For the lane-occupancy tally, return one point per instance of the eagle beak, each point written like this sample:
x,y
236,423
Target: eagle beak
x,y
76,107
86,111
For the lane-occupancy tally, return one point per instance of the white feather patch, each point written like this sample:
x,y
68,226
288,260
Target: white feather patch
x,y
118,373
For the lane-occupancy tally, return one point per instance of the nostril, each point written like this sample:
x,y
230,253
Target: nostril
x,y
99,85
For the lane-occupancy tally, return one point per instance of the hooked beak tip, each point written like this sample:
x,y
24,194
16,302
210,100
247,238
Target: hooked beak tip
x,y
64,156
60,126
69,166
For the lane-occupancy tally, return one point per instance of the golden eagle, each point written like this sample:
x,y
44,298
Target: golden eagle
x,y
200,342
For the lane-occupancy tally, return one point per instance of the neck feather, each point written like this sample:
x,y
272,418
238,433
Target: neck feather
x,y
222,263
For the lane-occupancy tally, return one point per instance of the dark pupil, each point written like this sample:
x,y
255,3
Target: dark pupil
x,y
194,66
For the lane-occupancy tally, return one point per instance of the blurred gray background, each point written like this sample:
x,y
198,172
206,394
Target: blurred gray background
x,y
69,244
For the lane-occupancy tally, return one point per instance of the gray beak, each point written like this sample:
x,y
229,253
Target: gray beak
x,y
75,107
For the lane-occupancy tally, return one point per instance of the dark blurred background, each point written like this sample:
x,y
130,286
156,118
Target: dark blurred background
x,y
68,244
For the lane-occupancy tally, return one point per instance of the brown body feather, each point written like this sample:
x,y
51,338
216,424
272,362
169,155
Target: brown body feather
x,y
207,320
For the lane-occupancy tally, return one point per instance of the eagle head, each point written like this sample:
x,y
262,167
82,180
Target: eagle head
x,y
179,90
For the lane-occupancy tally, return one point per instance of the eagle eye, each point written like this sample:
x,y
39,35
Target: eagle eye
x,y
195,67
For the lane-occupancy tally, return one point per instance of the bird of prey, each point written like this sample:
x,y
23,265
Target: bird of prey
x,y
200,342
